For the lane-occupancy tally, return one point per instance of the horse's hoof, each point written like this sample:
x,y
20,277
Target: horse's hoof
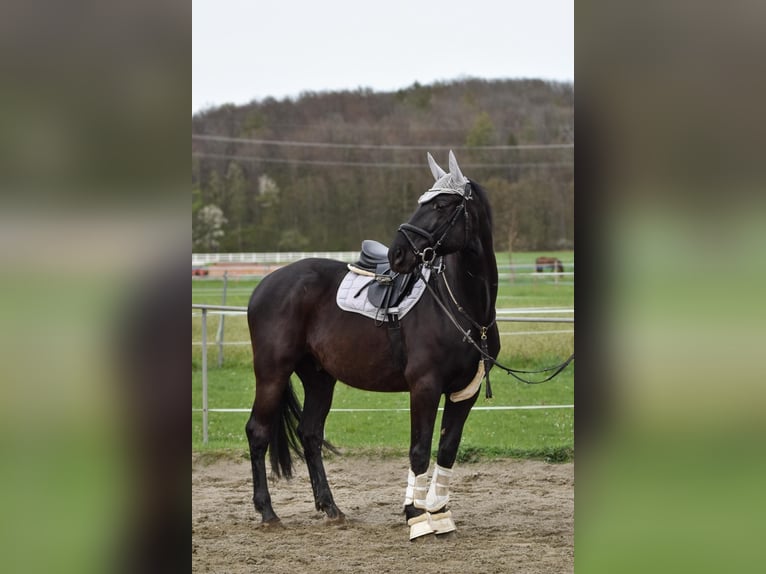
x,y
272,523
336,520
420,526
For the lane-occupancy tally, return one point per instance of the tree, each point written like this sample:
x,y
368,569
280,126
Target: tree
x,y
268,203
209,230
482,131
292,240
196,201
336,195
236,191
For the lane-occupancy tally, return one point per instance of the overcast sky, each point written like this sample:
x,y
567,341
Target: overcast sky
x,y
251,49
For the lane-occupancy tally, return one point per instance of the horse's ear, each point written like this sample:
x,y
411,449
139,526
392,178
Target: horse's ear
x,y
435,169
454,170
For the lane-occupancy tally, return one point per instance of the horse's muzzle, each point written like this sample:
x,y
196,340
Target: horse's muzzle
x,y
401,258
396,257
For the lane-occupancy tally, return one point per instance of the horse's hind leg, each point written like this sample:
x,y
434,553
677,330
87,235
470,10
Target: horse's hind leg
x,y
318,386
258,439
259,428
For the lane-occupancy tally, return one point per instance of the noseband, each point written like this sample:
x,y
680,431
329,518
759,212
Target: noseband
x,y
428,254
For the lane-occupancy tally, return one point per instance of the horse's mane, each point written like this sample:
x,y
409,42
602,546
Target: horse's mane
x,y
482,193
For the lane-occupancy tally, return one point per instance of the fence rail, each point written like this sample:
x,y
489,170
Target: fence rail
x,y
231,309
277,257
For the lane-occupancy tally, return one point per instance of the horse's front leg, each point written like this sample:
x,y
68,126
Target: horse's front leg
x,y
453,421
424,402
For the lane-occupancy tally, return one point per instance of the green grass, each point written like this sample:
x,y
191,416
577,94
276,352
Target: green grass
x,y
547,433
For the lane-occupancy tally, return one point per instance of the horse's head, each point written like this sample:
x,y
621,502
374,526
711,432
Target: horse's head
x,y
441,223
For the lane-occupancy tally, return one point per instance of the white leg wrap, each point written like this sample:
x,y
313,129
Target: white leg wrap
x,y
443,523
429,498
438,492
420,526
410,492
417,489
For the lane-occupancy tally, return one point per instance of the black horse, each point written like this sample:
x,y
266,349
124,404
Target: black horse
x,y
296,326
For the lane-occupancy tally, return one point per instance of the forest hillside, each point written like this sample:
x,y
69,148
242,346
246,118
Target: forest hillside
x,y
323,171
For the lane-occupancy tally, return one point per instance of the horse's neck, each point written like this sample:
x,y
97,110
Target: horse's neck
x,y
472,275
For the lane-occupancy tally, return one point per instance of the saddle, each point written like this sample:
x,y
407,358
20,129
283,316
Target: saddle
x,y
373,254
386,289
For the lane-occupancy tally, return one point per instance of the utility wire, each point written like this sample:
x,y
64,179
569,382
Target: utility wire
x,y
373,164
204,137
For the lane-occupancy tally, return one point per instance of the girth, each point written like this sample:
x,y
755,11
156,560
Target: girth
x,y
385,290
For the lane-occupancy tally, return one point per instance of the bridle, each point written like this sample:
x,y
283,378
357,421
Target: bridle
x,y
428,254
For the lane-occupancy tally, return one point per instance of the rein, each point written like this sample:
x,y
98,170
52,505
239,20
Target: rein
x,y
427,257
482,349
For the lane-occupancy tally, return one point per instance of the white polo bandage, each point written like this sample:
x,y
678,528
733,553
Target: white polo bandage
x,y
417,489
438,492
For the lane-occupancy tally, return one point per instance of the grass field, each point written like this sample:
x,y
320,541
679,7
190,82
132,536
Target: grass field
x,y
545,433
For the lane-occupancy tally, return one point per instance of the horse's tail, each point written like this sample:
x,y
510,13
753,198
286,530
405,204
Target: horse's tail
x,y
285,439
284,435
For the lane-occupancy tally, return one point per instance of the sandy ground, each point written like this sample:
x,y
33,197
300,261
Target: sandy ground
x,y
511,515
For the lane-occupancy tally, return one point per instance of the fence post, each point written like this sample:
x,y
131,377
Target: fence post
x,y
204,376
219,335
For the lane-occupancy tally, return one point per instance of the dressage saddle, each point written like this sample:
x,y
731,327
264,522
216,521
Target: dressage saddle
x,y
386,289
372,255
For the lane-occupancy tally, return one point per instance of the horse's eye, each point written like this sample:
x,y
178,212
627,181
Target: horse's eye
x,y
437,206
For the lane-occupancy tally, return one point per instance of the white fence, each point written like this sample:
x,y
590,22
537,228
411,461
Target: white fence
x,y
502,316
276,257
347,256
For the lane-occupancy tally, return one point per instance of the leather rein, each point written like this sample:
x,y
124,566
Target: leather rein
x,y
427,257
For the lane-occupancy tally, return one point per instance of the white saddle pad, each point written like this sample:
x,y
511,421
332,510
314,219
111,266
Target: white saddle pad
x,y
354,283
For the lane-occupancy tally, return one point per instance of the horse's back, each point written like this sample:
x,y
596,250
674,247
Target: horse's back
x,y
293,313
296,287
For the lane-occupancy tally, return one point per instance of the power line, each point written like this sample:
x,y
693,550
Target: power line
x,y
345,128
374,164
293,143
